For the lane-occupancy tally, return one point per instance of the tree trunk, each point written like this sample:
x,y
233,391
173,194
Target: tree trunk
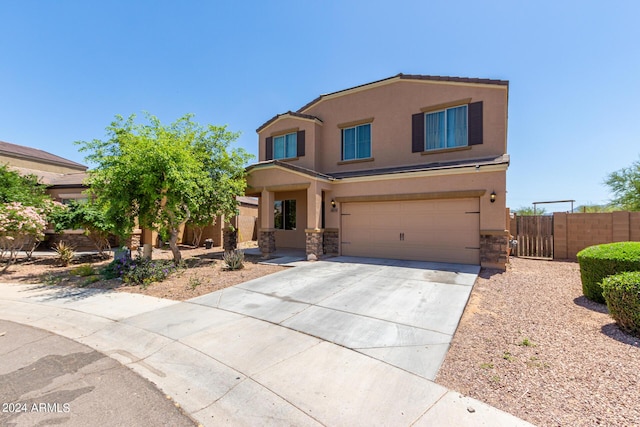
x,y
173,245
197,235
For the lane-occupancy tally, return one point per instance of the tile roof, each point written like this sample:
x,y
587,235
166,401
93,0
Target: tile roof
x,y
288,113
20,151
300,112
70,180
289,166
247,200
401,76
488,161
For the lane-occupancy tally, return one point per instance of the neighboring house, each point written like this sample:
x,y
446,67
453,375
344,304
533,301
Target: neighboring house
x,y
244,223
65,179
410,167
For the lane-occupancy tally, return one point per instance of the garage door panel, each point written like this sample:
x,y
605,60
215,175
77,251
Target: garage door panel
x,y
430,230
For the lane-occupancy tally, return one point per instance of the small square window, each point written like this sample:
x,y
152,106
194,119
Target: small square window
x,y
285,146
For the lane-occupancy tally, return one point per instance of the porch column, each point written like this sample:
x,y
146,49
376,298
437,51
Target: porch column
x,y
313,232
266,231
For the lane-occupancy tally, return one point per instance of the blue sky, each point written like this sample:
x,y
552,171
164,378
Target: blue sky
x,y
67,67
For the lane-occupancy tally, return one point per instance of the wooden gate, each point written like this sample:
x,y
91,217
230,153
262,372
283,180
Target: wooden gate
x,y
534,235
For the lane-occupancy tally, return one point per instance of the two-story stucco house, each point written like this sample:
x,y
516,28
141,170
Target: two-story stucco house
x,y
410,167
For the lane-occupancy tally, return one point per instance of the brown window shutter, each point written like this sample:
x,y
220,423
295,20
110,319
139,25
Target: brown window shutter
x,y
269,148
417,133
300,142
475,123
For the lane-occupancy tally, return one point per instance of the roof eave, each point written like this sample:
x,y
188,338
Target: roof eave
x,y
400,76
289,115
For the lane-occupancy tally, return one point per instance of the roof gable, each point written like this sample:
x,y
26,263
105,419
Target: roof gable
x,y
288,114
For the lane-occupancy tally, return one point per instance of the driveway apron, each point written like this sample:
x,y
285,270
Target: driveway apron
x,y
280,350
401,312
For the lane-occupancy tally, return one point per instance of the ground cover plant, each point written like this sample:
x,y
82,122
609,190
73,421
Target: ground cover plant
x,y
139,271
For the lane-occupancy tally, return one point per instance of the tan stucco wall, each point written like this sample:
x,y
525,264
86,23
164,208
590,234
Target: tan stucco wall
x,y
492,215
40,166
67,193
391,107
287,125
293,238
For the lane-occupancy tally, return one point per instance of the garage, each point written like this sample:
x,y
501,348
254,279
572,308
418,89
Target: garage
x,y
444,230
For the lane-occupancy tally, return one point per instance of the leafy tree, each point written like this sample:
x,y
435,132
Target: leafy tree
x,y
625,185
528,211
21,228
595,208
88,216
24,207
164,175
22,189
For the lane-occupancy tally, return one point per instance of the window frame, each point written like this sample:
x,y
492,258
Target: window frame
x,y
290,140
445,131
285,208
356,155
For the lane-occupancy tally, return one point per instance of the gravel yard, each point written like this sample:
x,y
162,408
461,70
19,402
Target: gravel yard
x,y
205,273
530,344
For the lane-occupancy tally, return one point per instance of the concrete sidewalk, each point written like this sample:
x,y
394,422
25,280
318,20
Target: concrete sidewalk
x,y
228,368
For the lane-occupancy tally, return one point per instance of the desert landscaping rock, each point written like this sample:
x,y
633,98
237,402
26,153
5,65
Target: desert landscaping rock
x,y
531,344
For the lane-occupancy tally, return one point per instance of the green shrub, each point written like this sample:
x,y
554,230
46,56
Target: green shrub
x,y
622,293
600,261
234,260
139,271
83,270
64,252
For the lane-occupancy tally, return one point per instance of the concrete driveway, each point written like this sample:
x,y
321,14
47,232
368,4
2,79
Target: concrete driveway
x,y
401,312
277,350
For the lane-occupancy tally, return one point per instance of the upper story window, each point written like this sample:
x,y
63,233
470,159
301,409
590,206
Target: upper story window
x,y
288,145
356,142
285,146
446,128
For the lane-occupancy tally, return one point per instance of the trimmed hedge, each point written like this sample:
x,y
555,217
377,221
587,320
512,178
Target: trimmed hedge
x,y
600,261
622,293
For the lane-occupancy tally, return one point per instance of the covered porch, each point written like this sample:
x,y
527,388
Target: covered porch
x,y
292,210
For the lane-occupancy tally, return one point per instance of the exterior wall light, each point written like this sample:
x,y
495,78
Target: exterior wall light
x,y
333,203
493,197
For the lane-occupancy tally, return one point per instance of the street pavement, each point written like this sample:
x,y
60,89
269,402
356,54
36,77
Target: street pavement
x,y
345,341
46,379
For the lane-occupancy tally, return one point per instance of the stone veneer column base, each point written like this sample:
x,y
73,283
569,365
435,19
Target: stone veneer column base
x,y
267,241
314,246
493,248
230,240
330,240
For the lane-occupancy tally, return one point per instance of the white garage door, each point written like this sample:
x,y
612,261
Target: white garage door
x,y
426,230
